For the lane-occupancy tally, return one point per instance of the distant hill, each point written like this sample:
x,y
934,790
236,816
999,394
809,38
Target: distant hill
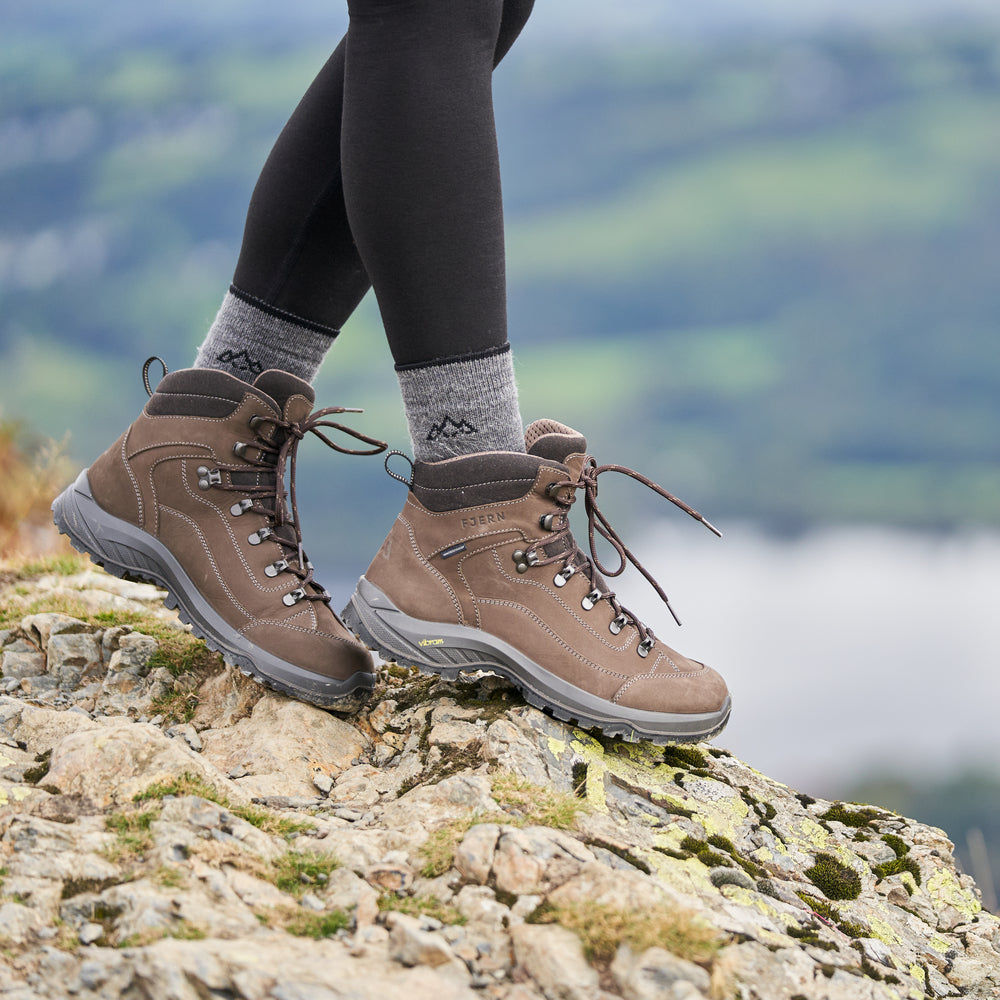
x,y
760,267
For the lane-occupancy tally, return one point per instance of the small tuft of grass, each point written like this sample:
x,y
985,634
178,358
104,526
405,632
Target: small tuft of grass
x,y
535,805
318,925
189,783
602,928
132,829
180,930
13,613
169,878
186,783
60,564
33,470
178,650
295,871
523,804
270,822
176,706
438,850
185,931
421,906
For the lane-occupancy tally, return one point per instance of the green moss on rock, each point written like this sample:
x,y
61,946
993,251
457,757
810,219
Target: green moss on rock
x,y
898,845
840,813
897,866
833,879
701,850
685,757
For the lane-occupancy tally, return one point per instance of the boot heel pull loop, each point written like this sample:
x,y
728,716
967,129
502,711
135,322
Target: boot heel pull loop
x,y
406,482
145,373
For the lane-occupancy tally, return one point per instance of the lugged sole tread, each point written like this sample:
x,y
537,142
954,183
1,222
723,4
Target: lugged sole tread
x,y
623,731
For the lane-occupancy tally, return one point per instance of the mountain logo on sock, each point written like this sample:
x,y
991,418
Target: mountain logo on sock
x,y
450,428
241,361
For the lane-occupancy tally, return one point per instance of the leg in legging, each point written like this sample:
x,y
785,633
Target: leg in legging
x,y
299,275
422,189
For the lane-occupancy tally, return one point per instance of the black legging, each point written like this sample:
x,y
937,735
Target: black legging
x,y
387,173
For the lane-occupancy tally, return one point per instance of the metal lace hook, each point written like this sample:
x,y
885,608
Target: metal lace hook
x,y
406,482
145,373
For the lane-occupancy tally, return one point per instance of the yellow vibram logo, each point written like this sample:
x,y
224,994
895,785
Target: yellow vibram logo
x,y
431,642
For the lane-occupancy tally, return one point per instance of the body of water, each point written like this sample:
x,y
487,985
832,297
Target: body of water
x,y
850,652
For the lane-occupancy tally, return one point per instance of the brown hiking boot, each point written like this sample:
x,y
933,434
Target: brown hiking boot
x,y
192,497
481,572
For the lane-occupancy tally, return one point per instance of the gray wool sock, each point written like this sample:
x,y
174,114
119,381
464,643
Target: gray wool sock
x,y
460,406
248,338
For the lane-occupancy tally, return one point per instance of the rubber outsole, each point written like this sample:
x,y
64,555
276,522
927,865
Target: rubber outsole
x,y
450,650
127,551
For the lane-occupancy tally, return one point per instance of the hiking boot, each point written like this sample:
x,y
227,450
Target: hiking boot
x,y
481,572
191,497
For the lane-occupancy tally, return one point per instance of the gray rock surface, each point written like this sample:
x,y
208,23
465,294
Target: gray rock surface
x,y
176,831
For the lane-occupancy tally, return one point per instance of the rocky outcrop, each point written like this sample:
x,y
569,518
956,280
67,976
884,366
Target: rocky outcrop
x,y
168,829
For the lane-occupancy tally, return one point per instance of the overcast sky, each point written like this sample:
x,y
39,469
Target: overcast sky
x,y
595,18
553,21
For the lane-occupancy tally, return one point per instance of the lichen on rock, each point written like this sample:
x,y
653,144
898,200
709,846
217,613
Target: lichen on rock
x,y
169,828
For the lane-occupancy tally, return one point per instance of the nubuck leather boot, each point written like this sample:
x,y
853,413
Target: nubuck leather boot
x,y
481,572
192,498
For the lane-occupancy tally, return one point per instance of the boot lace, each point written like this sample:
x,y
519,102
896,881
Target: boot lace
x,y
272,456
564,549
267,495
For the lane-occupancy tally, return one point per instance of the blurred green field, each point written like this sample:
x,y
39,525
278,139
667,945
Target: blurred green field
x,y
762,270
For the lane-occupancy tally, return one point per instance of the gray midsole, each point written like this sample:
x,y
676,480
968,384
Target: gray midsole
x,y
500,656
126,548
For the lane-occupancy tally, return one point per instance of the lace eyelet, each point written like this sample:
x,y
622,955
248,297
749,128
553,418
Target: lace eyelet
x,y
260,535
240,508
276,567
294,597
240,449
256,420
563,576
617,624
590,600
523,560
553,488
645,646
547,520
208,477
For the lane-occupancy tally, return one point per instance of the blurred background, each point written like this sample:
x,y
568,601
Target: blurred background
x,y
753,253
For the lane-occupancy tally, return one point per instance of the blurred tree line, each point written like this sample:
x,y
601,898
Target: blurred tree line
x,y
761,269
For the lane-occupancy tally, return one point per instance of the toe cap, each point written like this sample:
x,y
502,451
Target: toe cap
x,y
695,689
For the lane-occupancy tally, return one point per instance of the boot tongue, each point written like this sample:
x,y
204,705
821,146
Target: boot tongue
x,y
554,441
294,398
287,391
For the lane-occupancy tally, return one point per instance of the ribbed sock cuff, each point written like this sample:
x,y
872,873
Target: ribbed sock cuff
x,y
462,405
248,338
